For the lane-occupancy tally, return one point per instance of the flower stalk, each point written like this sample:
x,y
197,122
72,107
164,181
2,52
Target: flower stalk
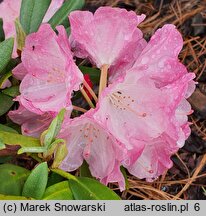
x,y
103,78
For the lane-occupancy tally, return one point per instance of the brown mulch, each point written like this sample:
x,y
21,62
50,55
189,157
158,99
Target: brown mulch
x,y
187,178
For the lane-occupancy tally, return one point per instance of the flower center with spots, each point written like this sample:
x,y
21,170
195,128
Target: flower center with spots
x,y
125,102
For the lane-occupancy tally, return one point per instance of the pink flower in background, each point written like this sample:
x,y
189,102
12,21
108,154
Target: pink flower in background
x,y
106,36
54,6
52,74
10,10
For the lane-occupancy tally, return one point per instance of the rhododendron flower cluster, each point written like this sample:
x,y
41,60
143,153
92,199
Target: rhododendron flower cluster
x,y
140,117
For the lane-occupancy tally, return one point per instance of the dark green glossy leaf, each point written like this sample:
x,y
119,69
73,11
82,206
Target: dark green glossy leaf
x,y
54,178
2,35
17,139
35,184
84,188
61,16
123,171
94,73
6,48
11,65
12,178
59,191
5,103
84,170
12,91
32,13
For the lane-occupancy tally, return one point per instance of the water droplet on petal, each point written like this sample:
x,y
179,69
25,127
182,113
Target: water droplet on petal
x,y
144,60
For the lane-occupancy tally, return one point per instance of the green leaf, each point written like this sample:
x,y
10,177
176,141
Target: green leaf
x,y
12,91
89,189
11,65
94,73
54,128
5,159
12,178
61,16
20,35
86,188
84,170
54,178
2,35
6,103
35,184
17,139
6,48
31,150
59,191
2,145
7,129
32,13
64,174
123,171
6,197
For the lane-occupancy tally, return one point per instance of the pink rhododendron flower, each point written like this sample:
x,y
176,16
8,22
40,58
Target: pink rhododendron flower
x,y
88,140
10,10
140,119
143,116
32,124
106,36
148,108
52,74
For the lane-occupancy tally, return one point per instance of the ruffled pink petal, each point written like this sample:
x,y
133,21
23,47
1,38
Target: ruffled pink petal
x,y
115,176
88,140
160,57
19,72
31,123
42,96
155,158
104,36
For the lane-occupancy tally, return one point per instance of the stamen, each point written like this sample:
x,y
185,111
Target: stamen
x,y
79,109
123,105
90,90
86,97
